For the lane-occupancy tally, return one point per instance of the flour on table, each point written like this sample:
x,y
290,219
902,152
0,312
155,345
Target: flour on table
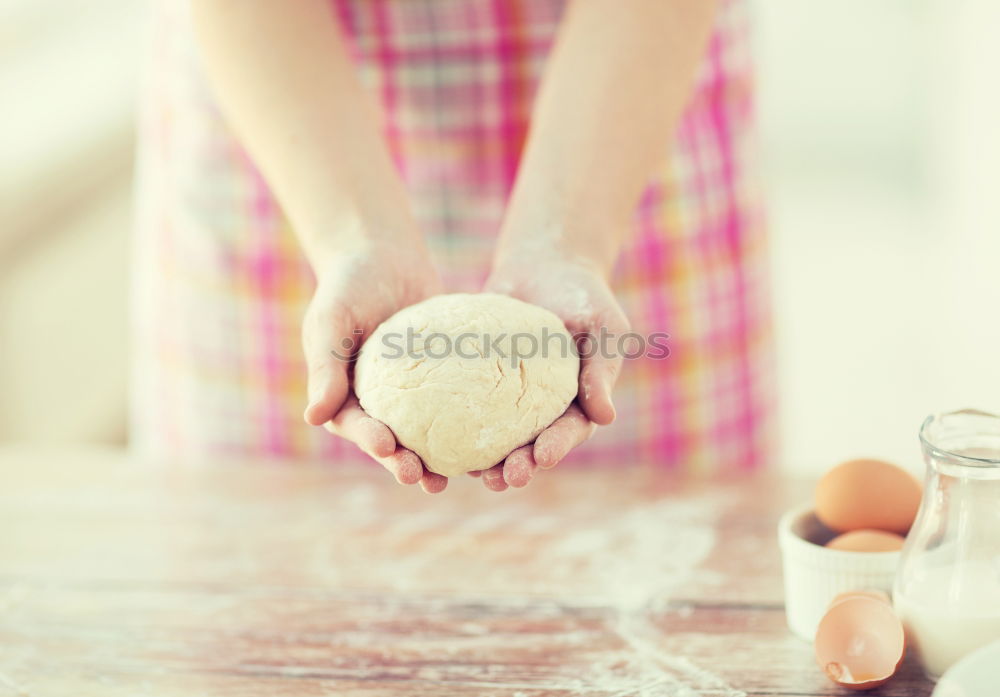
x,y
611,568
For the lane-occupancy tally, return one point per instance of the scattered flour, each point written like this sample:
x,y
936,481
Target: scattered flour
x,y
612,569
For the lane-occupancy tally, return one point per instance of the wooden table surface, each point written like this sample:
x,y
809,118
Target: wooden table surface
x,y
119,578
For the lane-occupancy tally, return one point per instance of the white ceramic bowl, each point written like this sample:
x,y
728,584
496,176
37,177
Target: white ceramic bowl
x,y
815,575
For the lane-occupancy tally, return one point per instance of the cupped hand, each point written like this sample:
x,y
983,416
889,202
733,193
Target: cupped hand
x,y
579,295
355,292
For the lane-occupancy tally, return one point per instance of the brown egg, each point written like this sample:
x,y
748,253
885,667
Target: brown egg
x,y
860,641
867,541
867,494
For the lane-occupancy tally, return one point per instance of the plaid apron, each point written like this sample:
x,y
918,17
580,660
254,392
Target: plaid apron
x,y
220,284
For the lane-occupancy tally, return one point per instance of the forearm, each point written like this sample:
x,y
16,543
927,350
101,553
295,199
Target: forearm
x,y
608,105
285,82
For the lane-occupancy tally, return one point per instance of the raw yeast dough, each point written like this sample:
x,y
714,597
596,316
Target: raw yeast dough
x,y
464,379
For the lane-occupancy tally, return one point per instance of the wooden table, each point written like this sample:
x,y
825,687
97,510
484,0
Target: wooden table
x,y
118,578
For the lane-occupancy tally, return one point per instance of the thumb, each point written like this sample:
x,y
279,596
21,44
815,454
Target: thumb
x,y
600,364
328,351
598,375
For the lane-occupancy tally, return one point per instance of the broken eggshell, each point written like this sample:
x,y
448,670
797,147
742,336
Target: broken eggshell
x,y
860,642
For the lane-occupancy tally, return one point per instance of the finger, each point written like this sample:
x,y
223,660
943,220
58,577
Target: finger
x,y
599,372
493,478
597,378
328,347
433,483
404,465
354,424
327,390
565,433
600,367
475,473
519,467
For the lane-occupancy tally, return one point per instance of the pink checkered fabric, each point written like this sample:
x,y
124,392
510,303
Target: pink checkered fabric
x,y
220,284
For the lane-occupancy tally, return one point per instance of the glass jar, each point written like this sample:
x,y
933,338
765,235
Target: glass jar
x,y
947,588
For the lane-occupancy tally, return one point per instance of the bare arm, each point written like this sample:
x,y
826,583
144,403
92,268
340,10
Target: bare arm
x,y
612,95
286,84
615,86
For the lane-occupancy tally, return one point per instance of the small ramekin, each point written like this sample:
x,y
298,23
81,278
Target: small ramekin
x,y
815,575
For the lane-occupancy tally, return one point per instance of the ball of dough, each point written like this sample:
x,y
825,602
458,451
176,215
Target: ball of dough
x,y
464,379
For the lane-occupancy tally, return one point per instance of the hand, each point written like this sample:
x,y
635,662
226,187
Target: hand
x,y
355,292
578,294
